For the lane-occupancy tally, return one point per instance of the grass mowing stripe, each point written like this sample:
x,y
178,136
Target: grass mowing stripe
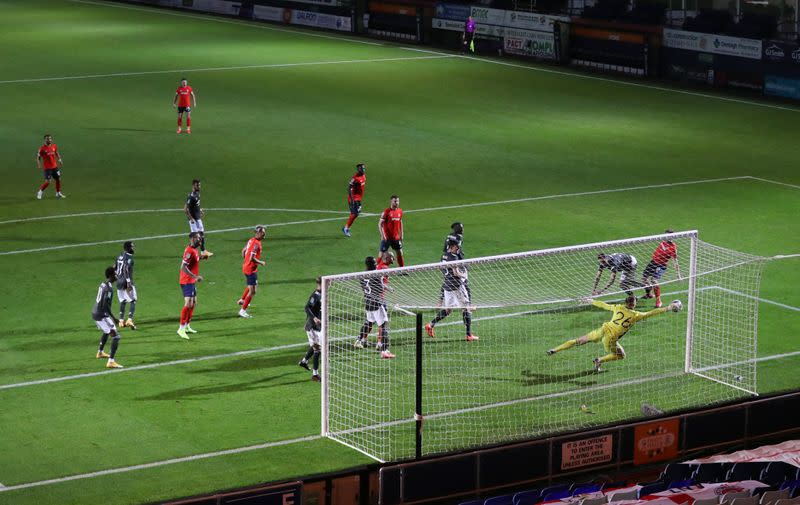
x,y
218,69
482,60
165,462
148,211
428,209
400,330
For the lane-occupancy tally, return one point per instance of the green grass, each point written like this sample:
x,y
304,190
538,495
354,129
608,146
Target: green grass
x,y
438,132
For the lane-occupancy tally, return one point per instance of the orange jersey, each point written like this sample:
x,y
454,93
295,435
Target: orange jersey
x,y
357,185
191,258
49,155
184,96
251,251
664,252
392,223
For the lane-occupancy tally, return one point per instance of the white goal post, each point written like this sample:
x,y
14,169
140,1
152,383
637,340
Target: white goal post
x,y
504,386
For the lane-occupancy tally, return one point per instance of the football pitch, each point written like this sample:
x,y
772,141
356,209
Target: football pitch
x,y
527,156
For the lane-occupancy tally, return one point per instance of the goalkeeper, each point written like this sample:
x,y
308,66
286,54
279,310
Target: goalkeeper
x,y
623,320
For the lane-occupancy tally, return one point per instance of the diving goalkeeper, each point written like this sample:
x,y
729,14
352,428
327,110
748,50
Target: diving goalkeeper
x,y
623,320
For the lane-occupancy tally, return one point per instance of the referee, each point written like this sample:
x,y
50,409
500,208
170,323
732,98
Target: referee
x,y
469,35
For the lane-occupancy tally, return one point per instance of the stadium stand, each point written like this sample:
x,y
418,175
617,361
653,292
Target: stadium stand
x,y
768,475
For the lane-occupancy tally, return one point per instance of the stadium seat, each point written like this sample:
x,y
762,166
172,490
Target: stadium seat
x,y
710,473
680,483
472,502
506,499
773,496
557,495
789,501
729,497
749,500
707,501
599,500
586,489
789,484
549,489
745,471
777,472
528,497
622,495
677,471
650,488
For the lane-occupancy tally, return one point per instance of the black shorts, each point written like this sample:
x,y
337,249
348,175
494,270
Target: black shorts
x,y
52,173
355,207
397,245
187,110
468,37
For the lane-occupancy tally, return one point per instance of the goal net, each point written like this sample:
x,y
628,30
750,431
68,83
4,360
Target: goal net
x,y
504,386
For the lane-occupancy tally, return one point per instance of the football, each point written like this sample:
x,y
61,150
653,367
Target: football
x,y
676,306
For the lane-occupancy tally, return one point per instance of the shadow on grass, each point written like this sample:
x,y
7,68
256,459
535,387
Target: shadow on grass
x,y
193,392
530,378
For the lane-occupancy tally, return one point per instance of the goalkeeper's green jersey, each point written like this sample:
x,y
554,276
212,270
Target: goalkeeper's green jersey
x,y
624,318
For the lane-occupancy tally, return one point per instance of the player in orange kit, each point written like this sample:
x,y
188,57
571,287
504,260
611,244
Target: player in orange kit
x,y
251,254
184,96
355,192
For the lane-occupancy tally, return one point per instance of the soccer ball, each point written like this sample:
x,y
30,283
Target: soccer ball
x,y
677,306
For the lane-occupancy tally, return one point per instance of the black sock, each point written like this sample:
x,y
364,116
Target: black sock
x,y
441,315
114,345
365,331
133,309
467,317
122,310
315,364
384,337
202,241
103,341
309,353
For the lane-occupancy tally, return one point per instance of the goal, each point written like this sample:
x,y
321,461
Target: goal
x,y
504,386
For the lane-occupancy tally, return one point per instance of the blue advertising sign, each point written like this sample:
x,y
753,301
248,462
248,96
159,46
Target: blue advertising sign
x,y
782,86
455,12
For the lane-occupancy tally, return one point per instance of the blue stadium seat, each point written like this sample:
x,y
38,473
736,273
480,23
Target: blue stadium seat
x,y
506,499
529,497
680,483
615,485
710,473
745,471
677,471
550,489
777,472
557,495
651,487
587,488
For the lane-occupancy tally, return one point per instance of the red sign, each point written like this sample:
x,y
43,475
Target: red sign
x,y
656,441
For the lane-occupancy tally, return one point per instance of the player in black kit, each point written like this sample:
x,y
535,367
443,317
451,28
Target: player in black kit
x,y
375,308
194,213
126,290
101,313
313,328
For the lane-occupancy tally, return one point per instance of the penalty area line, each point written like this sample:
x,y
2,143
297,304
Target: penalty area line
x,y
153,211
155,464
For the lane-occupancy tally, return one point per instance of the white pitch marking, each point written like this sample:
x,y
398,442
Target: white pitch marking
x,y
155,464
144,211
795,186
151,366
429,209
217,69
169,235
764,300
630,83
